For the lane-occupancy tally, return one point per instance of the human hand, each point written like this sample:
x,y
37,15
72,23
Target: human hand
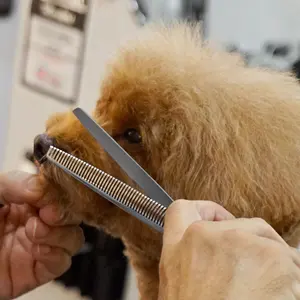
x,y
232,258
36,240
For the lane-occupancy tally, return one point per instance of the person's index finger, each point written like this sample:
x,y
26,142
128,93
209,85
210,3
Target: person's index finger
x,y
183,213
20,187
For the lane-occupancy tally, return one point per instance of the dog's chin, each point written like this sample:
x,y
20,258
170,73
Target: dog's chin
x,y
74,197
58,187
65,191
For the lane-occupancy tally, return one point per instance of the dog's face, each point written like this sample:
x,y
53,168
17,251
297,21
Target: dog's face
x,y
141,122
141,108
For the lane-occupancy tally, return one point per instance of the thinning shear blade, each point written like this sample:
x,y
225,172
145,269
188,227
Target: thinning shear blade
x,y
117,192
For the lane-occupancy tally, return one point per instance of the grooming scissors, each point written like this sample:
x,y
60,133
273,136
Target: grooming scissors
x,y
150,207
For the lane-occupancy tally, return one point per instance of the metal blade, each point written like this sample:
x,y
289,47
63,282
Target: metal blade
x,y
96,180
151,188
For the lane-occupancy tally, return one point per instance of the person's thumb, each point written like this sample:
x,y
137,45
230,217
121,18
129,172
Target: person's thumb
x,y
182,213
20,187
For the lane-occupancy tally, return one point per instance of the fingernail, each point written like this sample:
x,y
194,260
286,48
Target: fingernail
x,y
40,230
58,215
34,185
44,249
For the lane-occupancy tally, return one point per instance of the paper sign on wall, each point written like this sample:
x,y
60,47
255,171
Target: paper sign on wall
x,y
54,47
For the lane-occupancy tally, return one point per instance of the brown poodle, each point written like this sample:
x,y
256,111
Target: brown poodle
x,y
201,123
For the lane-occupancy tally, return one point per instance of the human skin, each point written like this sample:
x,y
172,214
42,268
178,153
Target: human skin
x,y
36,240
208,254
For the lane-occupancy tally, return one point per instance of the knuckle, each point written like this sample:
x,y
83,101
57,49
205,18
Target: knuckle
x,y
233,236
263,225
210,203
260,221
236,238
195,228
198,231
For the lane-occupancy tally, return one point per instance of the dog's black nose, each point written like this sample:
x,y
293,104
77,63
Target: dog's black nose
x,y
42,143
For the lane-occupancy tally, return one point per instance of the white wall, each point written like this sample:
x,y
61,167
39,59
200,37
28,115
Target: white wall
x,y
249,23
8,38
110,24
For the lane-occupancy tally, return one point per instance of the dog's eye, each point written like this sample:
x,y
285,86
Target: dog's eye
x,y
132,136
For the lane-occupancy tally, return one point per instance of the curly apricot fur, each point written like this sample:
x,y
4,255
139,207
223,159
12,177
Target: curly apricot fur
x,y
212,128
